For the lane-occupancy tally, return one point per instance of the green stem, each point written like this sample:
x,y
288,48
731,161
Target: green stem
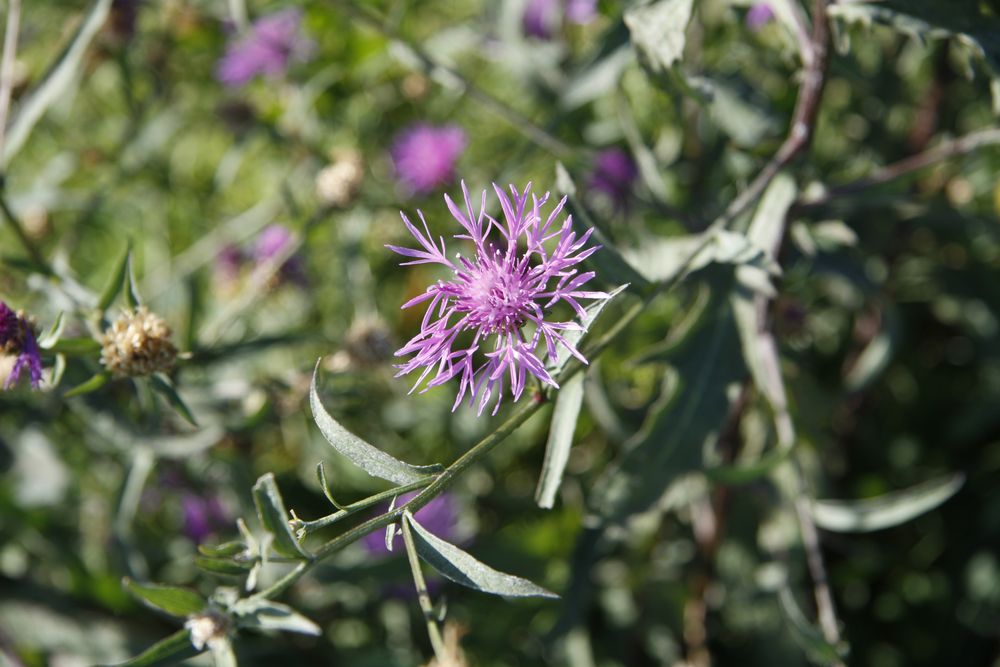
x,y
426,606
307,527
22,236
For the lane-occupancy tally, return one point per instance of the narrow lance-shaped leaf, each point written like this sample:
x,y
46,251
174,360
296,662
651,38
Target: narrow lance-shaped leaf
x,y
455,564
270,615
116,281
93,384
172,600
807,635
885,511
162,384
362,454
170,651
52,336
272,513
564,417
593,311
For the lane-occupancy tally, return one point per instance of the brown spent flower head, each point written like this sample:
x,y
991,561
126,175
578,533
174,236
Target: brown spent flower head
x,y
337,183
137,343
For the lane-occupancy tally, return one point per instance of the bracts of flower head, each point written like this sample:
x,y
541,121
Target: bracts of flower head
x,y
501,296
137,344
17,341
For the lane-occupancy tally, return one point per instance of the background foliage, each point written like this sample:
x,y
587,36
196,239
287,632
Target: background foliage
x,y
681,530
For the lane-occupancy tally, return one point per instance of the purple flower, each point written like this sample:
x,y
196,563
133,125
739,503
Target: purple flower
x,y
202,515
542,18
274,241
424,156
18,340
439,516
759,15
228,263
501,292
614,173
270,44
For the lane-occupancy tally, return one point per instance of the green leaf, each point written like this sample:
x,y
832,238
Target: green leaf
x,y
274,517
224,550
767,227
169,651
875,358
684,420
732,475
457,565
885,511
179,602
222,566
93,384
131,291
369,458
57,80
597,79
51,337
162,384
222,652
77,347
116,281
262,614
591,312
729,107
564,416
658,30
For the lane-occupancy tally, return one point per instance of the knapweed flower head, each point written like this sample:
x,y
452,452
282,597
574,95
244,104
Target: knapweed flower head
x,y
489,321
137,344
17,340
424,156
541,18
439,516
613,174
270,44
759,15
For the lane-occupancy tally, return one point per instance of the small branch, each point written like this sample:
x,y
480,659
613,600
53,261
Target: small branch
x,y
7,65
15,223
943,151
426,606
516,119
815,56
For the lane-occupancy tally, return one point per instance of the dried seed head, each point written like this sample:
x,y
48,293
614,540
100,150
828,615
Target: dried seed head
x,y
138,343
207,629
338,183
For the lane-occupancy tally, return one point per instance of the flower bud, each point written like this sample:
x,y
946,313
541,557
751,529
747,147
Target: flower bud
x,y
137,343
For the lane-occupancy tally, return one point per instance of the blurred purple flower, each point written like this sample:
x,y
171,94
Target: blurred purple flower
x,y
18,340
267,48
542,18
614,174
424,156
272,242
502,291
439,516
202,515
759,15
229,262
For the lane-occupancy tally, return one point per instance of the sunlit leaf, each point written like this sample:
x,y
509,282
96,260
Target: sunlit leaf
x,y
268,615
175,601
274,517
564,416
367,457
885,511
457,565
658,31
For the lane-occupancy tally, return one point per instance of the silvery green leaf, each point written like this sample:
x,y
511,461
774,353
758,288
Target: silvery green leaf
x,y
77,347
875,358
658,31
599,78
170,651
730,108
180,602
564,416
51,337
221,649
59,78
116,281
767,227
885,511
367,457
274,517
593,311
165,387
457,565
269,615
806,634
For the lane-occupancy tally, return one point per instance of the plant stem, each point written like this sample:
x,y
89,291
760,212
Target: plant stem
x,y
7,65
307,527
426,606
22,236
